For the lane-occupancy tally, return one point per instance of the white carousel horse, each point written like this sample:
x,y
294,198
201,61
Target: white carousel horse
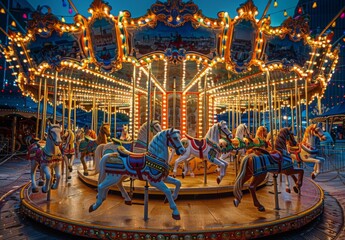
x,y
124,134
68,151
89,144
151,166
239,142
198,147
307,151
137,146
48,157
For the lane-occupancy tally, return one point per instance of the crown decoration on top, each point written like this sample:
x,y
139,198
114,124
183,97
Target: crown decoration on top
x,y
247,10
98,7
297,28
174,12
43,22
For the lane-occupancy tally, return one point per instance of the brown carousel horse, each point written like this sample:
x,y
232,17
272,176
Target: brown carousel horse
x,y
256,165
89,145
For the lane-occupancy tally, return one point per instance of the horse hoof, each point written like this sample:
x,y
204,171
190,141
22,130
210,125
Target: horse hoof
x,y
86,174
40,183
128,202
296,189
287,190
34,190
176,217
261,209
69,177
70,168
236,202
44,190
192,175
182,175
91,209
218,180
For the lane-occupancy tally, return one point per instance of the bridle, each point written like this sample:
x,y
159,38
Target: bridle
x,y
50,136
169,139
152,128
316,132
222,130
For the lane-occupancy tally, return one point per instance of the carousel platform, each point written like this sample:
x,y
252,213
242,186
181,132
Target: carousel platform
x,y
202,216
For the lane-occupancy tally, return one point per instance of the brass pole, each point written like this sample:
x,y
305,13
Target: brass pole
x,y
69,106
38,107
55,96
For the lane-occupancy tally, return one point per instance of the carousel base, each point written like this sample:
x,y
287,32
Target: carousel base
x,y
202,217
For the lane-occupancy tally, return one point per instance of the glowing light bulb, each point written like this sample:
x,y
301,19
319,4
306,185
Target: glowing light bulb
x,y
315,5
285,13
3,10
13,24
275,4
63,19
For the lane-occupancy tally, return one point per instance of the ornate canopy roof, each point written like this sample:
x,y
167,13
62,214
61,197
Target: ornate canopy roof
x,y
103,56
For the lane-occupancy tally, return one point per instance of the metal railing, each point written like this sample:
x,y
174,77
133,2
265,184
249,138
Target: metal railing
x,y
334,157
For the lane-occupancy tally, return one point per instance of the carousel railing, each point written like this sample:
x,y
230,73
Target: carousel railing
x,y
334,157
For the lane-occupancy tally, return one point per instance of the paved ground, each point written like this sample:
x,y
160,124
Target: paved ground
x,y
13,225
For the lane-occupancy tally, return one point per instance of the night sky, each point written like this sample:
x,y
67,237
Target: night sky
x,y
138,8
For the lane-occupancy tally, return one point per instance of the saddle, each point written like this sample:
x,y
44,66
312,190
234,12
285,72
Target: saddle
x,y
135,161
120,142
198,144
275,156
88,138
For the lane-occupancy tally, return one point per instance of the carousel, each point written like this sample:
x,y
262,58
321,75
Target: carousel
x,y
173,71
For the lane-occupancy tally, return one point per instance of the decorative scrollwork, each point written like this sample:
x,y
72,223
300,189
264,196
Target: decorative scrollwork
x,y
174,13
297,28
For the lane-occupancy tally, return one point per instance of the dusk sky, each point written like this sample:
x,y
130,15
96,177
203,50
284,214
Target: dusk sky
x,y
209,8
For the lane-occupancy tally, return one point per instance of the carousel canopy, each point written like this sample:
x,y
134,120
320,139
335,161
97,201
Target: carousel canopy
x,y
105,59
337,113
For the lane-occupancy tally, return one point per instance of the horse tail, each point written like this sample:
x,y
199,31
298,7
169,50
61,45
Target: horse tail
x,y
240,177
98,156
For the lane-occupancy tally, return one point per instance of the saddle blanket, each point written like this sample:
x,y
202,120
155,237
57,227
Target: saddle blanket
x,y
265,163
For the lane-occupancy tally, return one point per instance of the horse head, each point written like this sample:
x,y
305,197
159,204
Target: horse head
x,y
105,129
317,132
54,133
155,127
174,141
223,127
242,131
291,137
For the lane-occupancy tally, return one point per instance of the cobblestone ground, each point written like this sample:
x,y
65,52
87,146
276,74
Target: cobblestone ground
x,y
13,225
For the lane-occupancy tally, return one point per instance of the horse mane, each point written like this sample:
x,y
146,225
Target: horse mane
x,y
157,143
213,132
280,142
307,133
260,133
142,133
240,128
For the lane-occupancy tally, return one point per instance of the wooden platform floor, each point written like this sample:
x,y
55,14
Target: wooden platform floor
x,y
216,213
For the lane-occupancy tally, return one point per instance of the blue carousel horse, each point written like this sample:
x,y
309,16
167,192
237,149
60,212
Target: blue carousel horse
x,y
138,145
151,166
